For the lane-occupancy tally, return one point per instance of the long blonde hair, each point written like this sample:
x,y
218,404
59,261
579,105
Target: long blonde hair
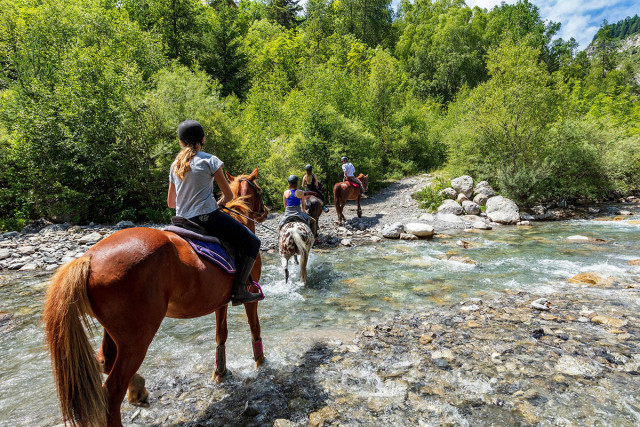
x,y
183,159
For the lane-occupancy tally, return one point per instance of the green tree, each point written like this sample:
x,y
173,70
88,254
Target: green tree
x,y
284,12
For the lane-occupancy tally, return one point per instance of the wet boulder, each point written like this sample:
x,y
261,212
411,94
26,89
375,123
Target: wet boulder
x,y
419,229
503,210
450,207
463,184
483,187
393,231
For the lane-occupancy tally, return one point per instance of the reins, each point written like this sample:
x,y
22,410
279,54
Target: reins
x,y
250,219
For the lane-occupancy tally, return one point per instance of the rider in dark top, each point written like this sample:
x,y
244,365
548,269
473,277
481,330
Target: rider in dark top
x,y
310,183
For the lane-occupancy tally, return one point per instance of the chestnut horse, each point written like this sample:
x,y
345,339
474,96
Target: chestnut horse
x,y
344,191
314,208
129,282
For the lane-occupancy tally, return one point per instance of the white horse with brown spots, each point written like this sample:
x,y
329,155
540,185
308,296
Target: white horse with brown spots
x,y
296,238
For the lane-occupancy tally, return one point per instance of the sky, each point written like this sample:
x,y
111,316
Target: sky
x,y
579,19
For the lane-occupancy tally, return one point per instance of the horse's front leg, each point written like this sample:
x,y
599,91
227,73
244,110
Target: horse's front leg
x,y
222,332
359,208
254,324
285,266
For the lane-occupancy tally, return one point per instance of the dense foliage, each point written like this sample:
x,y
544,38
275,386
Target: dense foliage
x,y
621,29
91,93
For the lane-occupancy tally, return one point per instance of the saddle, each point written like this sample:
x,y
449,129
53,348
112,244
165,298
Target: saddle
x,y
204,244
312,193
353,184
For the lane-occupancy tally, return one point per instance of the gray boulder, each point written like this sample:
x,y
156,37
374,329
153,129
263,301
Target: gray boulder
x,y
502,210
461,198
125,224
91,238
483,187
463,184
481,225
450,207
481,199
448,192
419,229
538,210
470,207
393,231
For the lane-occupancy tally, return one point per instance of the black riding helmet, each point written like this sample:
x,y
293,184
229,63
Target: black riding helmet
x,y
190,131
308,168
293,179
344,159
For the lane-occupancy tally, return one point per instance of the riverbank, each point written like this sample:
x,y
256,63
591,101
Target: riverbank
x,y
47,247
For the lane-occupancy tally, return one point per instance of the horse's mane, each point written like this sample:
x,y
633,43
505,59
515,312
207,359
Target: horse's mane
x,y
239,204
361,176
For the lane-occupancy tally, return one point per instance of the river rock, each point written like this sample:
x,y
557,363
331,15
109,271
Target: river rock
x,y
463,184
346,242
470,207
4,254
624,212
630,262
26,250
502,210
375,239
125,224
427,217
541,304
448,217
450,207
481,199
461,198
483,187
419,229
29,267
577,366
393,231
577,238
318,418
592,279
481,225
407,236
448,192
538,210
281,422
10,234
523,223
53,228
36,226
613,322
90,238
593,210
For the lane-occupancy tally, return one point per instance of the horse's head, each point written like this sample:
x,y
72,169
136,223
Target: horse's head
x,y
245,189
364,179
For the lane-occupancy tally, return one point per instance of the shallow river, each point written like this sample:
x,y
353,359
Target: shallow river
x,y
347,289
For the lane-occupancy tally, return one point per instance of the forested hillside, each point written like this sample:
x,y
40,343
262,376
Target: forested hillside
x,y
91,93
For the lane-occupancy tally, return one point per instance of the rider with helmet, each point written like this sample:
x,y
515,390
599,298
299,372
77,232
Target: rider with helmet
x,y
310,183
191,193
349,174
293,200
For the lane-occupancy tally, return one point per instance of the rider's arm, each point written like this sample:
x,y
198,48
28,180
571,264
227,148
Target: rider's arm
x,y
284,198
171,197
223,185
304,180
300,195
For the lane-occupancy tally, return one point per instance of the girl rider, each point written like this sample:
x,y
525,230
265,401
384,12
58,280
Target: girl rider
x,y
191,194
293,200
310,183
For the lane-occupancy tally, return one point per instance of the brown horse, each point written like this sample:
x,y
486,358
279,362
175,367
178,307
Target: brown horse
x,y
314,208
344,191
129,282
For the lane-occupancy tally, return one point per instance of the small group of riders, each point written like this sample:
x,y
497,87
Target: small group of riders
x,y
191,193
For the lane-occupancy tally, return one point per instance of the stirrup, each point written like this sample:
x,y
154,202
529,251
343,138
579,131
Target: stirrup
x,y
260,295
326,209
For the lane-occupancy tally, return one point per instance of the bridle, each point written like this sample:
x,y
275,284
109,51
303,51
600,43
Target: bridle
x,y
262,214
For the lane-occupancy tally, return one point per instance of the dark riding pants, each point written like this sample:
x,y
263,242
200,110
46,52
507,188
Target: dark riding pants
x,y
228,229
356,181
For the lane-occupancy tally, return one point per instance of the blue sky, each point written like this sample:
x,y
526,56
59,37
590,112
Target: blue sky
x,y
579,19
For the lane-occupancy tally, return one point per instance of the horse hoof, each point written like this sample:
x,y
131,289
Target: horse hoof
x,y
218,378
260,361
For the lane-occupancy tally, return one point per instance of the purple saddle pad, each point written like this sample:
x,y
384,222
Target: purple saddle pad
x,y
210,250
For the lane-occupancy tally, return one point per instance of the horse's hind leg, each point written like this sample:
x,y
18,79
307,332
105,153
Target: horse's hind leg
x,y
220,370
107,353
359,208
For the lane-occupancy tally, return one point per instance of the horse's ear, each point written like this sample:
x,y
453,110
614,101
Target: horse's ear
x,y
253,175
229,176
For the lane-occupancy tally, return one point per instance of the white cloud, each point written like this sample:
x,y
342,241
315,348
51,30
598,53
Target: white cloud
x,y
580,19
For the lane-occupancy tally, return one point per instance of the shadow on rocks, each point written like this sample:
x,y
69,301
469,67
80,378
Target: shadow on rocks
x,y
274,393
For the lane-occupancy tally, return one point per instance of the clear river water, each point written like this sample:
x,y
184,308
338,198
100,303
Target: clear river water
x,y
347,290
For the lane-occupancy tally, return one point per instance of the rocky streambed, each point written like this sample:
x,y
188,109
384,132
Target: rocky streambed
x,y
489,360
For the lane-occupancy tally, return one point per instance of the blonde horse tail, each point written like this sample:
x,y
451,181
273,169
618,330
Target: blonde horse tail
x,y
75,369
304,253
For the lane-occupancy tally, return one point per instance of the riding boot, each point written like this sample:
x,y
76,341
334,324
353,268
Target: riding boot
x,y
240,294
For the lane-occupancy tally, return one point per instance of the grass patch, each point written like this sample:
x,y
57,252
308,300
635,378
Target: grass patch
x,y
429,197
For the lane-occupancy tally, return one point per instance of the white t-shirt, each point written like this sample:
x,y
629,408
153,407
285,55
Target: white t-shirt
x,y
348,169
194,194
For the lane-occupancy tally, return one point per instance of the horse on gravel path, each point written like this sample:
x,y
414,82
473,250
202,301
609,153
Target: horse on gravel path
x,y
346,190
129,282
